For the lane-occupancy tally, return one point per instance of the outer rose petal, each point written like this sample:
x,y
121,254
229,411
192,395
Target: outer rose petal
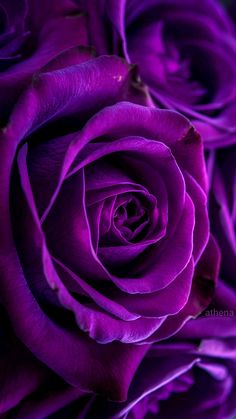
x,y
54,28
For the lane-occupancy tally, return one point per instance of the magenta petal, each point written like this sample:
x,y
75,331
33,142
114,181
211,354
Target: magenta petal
x,y
159,273
157,303
201,294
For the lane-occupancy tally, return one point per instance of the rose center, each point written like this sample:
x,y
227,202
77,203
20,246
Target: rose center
x,y
131,219
187,66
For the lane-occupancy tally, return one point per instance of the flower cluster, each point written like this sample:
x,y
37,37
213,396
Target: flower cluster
x,y
117,209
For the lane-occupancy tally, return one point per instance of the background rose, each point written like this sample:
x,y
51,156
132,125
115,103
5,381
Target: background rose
x,y
222,174
59,262
186,55
32,34
193,374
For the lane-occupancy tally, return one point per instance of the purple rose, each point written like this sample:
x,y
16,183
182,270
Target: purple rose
x,y
32,34
222,173
186,55
104,226
193,374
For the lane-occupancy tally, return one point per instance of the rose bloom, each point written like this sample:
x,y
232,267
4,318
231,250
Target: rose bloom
x,y
193,374
104,225
32,34
185,51
222,198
